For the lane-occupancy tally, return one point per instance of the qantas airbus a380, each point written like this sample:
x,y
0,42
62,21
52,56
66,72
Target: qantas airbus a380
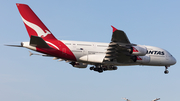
x,y
103,56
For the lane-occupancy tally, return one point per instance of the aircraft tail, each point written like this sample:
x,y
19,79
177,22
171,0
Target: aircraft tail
x,y
34,25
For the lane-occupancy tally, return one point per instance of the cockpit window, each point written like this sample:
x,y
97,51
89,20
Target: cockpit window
x,y
169,54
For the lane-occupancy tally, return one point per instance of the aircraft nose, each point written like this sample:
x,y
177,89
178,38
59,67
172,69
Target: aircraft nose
x,y
173,60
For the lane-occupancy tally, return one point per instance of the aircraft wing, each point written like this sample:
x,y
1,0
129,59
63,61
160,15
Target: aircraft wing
x,y
119,48
119,36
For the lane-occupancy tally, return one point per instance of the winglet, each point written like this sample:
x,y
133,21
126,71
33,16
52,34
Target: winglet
x,y
114,29
119,36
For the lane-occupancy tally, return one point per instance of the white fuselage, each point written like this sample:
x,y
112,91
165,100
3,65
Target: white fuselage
x,y
156,56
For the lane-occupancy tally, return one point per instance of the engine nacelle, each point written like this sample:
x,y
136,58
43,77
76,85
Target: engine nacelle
x,y
78,65
143,59
139,50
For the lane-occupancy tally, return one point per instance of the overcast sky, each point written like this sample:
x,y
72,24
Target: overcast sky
x,y
37,78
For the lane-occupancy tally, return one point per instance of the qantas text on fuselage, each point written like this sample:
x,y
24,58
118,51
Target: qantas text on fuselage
x,y
155,52
103,56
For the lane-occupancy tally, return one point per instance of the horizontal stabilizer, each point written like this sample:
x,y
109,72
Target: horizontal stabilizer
x,y
14,45
46,55
38,42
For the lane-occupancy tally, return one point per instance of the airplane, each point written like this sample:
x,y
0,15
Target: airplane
x,y
152,100
126,99
156,99
103,56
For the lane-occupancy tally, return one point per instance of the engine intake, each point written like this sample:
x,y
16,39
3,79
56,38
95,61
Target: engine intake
x,y
139,50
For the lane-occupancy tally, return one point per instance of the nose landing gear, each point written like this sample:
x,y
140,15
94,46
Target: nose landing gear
x,y
166,71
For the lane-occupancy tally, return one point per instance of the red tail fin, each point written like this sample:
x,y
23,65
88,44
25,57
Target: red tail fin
x,y
33,24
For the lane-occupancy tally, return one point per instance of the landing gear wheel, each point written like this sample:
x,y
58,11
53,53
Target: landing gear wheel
x,y
104,69
95,69
166,71
100,70
91,68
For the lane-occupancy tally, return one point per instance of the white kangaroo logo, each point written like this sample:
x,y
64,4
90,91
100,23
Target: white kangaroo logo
x,y
45,34
38,30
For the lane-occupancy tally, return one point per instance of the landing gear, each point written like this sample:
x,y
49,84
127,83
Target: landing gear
x,y
97,68
166,71
101,68
91,68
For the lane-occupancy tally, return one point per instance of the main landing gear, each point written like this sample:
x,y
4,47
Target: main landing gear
x,y
101,68
97,68
166,71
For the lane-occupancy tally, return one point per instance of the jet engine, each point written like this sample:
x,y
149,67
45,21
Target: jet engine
x,y
139,50
78,65
143,59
